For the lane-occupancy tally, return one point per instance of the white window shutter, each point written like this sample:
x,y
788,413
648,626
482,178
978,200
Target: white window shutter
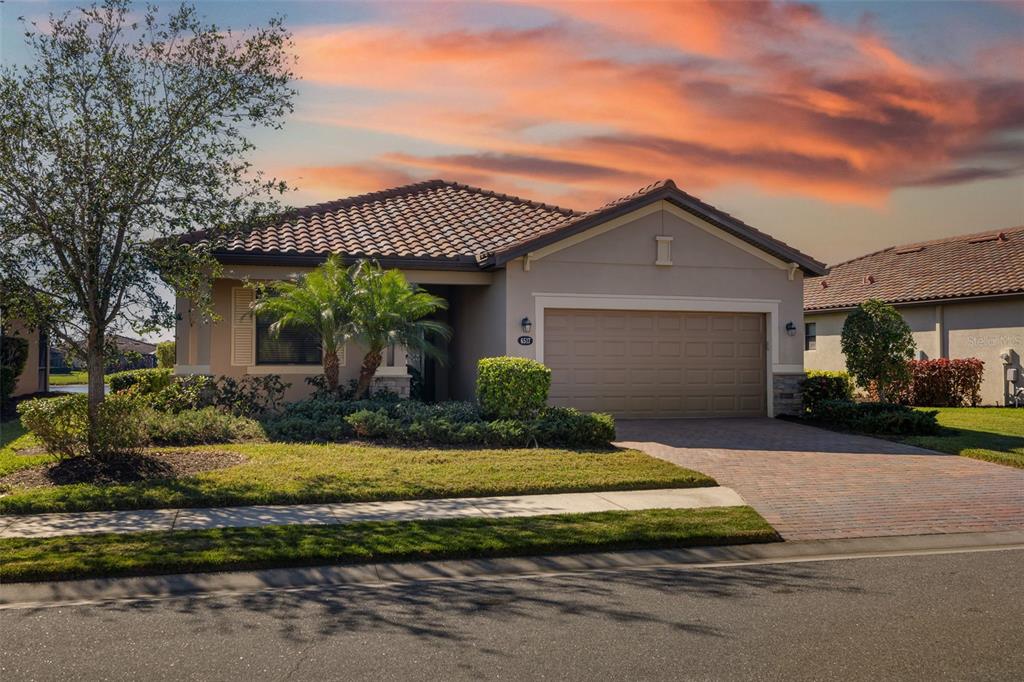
x,y
243,327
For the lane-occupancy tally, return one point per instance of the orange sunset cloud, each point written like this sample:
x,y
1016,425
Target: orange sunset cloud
x,y
604,96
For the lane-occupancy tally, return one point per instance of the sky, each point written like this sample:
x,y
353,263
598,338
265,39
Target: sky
x,y
838,127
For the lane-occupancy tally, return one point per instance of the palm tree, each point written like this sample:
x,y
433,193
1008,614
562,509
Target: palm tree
x,y
319,301
387,310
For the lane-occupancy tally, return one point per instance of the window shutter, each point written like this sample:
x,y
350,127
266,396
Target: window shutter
x,y
243,327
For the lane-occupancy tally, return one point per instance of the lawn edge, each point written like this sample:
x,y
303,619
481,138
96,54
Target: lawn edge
x,y
625,542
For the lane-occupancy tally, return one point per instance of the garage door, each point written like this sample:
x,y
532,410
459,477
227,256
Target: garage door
x,y
657,364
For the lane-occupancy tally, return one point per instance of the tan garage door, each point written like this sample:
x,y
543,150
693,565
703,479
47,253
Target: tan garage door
x,y
655,364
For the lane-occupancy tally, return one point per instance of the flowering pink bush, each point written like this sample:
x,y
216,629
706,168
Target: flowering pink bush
x,y
942,383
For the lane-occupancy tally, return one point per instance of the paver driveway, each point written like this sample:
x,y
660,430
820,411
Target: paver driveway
x,y
811,483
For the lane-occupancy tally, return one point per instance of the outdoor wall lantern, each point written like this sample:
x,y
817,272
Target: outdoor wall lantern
x,y
526,325
791,329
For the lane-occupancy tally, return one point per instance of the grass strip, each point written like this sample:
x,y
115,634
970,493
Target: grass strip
x,y
82,556
287,473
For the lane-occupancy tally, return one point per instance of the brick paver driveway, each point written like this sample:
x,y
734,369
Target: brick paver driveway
x,y
811,483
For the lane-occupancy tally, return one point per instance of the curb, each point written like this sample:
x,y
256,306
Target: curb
x,y
78,592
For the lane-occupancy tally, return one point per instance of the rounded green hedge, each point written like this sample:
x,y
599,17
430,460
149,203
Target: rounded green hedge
x,y
512,388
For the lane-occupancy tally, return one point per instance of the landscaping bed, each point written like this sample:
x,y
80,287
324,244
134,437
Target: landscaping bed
x,y
285,473
154,465
82,556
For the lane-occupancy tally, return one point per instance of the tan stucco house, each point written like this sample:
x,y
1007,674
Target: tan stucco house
x,y
963,297
655,305
35,376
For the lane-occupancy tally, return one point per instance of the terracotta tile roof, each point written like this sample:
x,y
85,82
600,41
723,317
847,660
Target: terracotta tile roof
x,y
428,220
447,224
979,264
667,190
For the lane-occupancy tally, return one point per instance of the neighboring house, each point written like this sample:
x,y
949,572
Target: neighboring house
x,y
131,354
655,305
34,378
963,297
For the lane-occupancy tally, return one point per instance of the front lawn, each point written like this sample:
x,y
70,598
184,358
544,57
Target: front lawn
x,y
994,434
69,378
15,438
84,556
283,473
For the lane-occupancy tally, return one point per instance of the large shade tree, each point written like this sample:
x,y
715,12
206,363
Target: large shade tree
x,y
121,129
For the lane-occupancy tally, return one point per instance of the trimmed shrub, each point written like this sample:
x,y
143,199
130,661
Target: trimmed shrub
x,y
197,427
568,427
943,383
13,355
374,424
409,422
165,354
250,396
512,388
822,385
876,418
62,424
147,380
191,392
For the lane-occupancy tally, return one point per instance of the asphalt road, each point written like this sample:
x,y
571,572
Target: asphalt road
x,y
937,617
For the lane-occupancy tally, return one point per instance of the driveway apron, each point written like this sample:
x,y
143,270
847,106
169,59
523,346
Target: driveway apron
x,y
811,484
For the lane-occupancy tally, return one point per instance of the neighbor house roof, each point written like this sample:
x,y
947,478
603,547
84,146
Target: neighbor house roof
x,y
979,264
451,225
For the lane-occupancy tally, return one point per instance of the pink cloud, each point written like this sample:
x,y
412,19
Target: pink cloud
x,y
768,94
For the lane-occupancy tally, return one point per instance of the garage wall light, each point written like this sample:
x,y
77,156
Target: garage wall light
x,y
526,325
791,329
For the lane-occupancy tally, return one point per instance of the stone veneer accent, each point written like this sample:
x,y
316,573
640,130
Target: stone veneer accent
x,y
786,394
395,384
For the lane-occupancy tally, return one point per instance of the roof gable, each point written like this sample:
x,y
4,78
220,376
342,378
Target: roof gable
x,y
978,264
663,190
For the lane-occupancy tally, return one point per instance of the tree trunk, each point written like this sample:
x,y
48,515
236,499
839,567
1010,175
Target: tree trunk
x,y
95,364
371,361
331,370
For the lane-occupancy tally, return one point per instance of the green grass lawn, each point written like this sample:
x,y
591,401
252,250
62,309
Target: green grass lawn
x,y
14,436
994,434
280,473
244,548
70,378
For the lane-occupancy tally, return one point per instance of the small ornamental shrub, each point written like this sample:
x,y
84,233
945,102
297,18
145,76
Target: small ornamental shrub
x,y
198,427
62,424
374,424
147,381
876,418
512,388
190,392
250,396
942,383
568,427
824,385
13,355
165,354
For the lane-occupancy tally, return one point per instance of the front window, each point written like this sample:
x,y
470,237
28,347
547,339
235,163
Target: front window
x,y
293,346
810,336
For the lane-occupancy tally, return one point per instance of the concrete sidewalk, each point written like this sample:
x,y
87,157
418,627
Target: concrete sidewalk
x,y
52,525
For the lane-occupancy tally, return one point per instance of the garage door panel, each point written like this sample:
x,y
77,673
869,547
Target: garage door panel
x,y
651,364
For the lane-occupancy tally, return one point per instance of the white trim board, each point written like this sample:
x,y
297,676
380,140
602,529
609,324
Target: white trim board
x,y
768,307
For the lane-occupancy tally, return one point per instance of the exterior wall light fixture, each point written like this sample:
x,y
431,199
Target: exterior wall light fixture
x,y
791,329
526,325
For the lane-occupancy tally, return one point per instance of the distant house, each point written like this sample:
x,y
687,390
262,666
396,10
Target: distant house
x,y
34,378
132,354
963,297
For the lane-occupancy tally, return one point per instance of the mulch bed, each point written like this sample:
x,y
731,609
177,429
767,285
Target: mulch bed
x,y
152,465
